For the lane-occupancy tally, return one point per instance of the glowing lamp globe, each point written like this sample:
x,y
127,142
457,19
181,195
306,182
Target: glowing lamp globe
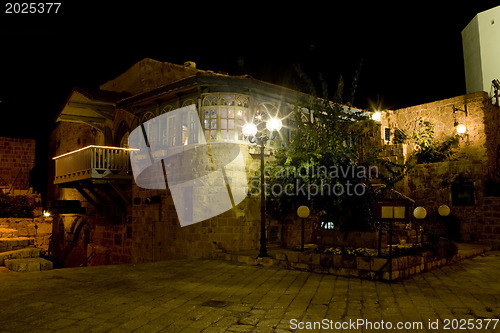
x,y
444,210
461,129
249,129
377,116
420,213
303,211
274,124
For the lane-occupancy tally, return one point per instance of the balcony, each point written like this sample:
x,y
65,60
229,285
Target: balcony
x,y
99,174
93,163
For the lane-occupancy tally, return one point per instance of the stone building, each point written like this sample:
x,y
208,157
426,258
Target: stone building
x,y
102,215
467,179
17,159
107,212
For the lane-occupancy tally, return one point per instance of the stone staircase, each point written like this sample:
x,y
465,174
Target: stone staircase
x,y
19,253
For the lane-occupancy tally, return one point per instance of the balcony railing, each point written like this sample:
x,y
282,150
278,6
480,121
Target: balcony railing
x,y
93,162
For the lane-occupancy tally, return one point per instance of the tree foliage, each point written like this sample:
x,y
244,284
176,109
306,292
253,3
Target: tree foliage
x,y
327,165
429,150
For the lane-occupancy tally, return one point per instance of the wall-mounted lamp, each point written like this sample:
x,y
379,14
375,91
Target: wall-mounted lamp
x,y
461,128
455,109
376,116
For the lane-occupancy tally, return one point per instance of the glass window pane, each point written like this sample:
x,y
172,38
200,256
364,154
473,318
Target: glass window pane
x,y
223,134
230,124
230,113
223,123
223,113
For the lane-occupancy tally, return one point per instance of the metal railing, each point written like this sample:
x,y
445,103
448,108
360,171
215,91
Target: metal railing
x,y
92,162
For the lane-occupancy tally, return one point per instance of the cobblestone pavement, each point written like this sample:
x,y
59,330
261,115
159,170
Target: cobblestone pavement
x,y
218,296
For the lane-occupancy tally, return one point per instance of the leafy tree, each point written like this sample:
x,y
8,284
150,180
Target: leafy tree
x,y
327,165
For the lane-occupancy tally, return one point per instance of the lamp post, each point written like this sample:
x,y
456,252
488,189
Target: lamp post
x,y
420,213
303,213
250,130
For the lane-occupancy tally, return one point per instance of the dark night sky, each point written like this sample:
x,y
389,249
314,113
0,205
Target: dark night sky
x,y
412,51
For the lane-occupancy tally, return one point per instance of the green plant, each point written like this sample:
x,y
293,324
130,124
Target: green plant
x,y
330,154
429,150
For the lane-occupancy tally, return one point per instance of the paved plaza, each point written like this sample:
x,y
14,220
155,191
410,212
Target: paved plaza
x,y
219,296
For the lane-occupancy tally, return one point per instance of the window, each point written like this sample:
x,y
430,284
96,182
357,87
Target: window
x,y
327,225
387,134
224,116
150,126
171,133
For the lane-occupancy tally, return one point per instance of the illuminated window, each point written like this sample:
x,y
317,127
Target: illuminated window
x,y
387,134
150,126
171,133
224,116
327,225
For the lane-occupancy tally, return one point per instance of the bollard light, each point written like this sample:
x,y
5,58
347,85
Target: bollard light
x,y
420,213
444,210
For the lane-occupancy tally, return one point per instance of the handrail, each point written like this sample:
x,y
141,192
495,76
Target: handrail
x,y
92,162
89,258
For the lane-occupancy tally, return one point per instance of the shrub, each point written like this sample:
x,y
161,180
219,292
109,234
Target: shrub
x,y
16,206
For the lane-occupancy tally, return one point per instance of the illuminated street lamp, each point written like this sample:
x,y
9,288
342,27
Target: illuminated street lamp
x,y
250,130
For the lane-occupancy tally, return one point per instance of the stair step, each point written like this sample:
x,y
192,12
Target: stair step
x,y
8,233
29,252
15,243
28,264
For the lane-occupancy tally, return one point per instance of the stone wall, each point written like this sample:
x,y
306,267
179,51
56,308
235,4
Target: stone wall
x,y
474,161
431,186
487,230
157,234
39,228
17,156
480,121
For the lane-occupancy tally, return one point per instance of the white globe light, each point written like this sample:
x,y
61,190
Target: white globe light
x,y
461,129
274,124
377,116
444,210
420,213
249,129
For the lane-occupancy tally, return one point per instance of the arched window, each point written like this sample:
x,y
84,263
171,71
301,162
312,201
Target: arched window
x,y
121,135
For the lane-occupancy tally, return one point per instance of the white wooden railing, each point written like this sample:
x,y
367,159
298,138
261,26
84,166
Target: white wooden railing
x,y
92,162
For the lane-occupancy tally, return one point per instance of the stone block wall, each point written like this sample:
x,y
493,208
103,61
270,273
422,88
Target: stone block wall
x,y
479,120
39,228
156,233
487,230
17,156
